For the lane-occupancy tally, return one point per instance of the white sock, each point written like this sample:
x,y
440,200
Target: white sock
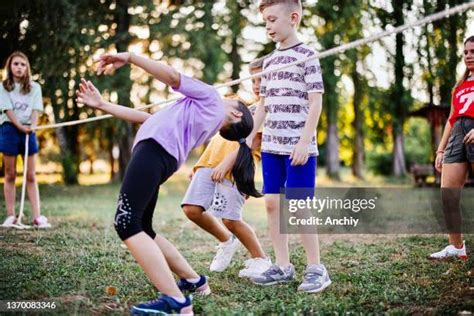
x,y
194,281
180,300
228,242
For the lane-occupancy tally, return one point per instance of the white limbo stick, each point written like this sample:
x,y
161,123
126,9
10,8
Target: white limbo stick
x,y
19,224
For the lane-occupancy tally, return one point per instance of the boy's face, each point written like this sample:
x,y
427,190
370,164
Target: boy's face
x,y
256,81
280,21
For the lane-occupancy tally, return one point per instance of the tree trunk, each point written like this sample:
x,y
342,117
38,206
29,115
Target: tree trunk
x,y
111,161
358,156
235,59
123,85
331,107
125,149
69,159
399,96
332,150
398,164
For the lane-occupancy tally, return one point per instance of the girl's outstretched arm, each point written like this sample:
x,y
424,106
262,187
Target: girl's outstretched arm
x,y
107,63
90,96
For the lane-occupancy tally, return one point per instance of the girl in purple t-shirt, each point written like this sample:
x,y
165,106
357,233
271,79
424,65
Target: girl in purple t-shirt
x,y
162,144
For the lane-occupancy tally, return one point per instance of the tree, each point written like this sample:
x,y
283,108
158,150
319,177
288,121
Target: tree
x,y
399,96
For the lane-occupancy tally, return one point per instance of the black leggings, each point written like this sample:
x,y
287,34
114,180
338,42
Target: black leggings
x,y
151,165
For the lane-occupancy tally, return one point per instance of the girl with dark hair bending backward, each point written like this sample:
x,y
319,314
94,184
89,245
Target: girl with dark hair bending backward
x,y
162,144
455,155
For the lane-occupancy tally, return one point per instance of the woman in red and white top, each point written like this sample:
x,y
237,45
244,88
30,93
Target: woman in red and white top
x,y
455,155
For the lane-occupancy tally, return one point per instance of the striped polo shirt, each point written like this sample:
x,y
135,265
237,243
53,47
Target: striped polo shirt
x,y
286,98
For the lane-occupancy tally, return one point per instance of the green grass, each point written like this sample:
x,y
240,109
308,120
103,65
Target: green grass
x,y
73,263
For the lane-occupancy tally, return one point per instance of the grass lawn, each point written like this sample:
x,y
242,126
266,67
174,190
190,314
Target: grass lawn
x,y
73,264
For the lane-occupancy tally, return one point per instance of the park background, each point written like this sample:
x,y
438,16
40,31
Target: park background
x,y
384,108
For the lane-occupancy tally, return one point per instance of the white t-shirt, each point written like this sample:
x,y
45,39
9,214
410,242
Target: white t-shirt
x,y
21,104
286,98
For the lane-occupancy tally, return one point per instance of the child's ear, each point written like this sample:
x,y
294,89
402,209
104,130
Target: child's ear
x,y
295,18
237,113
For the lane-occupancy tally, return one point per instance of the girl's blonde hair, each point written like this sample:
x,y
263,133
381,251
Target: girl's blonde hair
x,y
9,82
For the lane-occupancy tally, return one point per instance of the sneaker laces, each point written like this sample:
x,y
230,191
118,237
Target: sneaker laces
x,y
155,301
220,252
248,263
273,270
311,276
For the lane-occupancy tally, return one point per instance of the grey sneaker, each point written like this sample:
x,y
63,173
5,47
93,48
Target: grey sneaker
x,y
316,279
275,275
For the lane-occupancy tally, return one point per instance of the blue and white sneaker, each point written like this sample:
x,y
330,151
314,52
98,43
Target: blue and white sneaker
x,y
316,279
200,288
275,275
163,305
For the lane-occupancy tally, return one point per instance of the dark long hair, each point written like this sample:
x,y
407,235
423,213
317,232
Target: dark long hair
x,y
243,171
9,82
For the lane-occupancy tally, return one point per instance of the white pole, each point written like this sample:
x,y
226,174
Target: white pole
x,y
23,186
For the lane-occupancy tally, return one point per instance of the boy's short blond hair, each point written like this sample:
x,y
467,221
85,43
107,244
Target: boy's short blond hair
x,y
291,4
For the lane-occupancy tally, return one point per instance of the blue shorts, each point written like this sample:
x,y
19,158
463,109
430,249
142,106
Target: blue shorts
x,y
279,176
12,141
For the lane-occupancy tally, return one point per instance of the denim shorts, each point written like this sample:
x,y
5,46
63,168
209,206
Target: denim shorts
x,y
12,141
457,151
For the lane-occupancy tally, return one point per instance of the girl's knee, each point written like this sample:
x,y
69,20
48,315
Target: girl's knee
x,y
272,207
31,177
192,212
230,224
10,176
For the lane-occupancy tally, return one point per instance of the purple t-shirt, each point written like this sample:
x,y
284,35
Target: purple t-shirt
x,y
188,123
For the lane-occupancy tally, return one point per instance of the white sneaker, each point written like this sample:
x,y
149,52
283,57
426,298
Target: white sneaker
x,y
255,266
450,251
41,222
10,221
225,252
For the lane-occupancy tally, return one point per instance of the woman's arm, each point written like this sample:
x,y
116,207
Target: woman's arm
x,y
443,143
90,96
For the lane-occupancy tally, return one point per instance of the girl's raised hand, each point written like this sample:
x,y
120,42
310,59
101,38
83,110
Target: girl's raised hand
x,y
107,63
88,95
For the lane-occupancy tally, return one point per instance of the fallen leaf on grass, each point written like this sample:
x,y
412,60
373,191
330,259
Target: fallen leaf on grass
x,y
111,290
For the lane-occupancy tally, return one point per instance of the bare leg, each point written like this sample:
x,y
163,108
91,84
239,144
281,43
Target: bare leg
x,y
279,241
207,222
150,257
32,186
453,176
311,247
9,186
176,261
247,237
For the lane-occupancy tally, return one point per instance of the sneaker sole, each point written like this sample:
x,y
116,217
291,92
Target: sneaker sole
x,y
463,258
185,311
203,290
271,283
249,276
325,285
8,226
